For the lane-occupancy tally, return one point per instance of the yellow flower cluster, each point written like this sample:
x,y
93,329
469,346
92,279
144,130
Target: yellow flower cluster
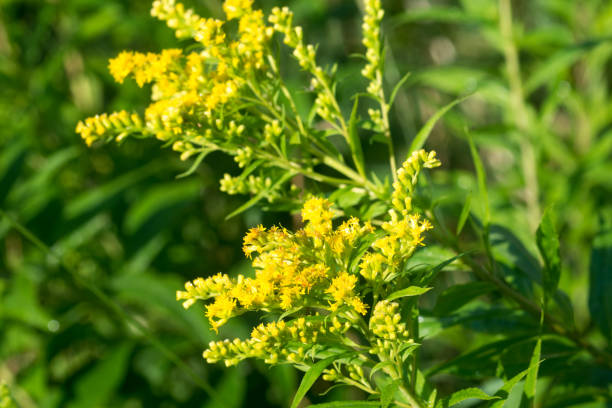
x,y
278,341
404,232
122,123
190,90
371,39
387,327
313,274
407,177
305,268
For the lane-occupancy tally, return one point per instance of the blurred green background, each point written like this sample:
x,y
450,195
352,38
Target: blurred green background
x,y
100,327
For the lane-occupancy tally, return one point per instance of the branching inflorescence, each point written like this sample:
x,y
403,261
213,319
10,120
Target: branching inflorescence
x,y
320,280
329,289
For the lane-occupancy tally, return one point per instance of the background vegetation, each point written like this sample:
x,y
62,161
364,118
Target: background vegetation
x,y
87,310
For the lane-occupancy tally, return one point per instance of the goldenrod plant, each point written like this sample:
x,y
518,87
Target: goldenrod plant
x,y
332,293
372,204
338,294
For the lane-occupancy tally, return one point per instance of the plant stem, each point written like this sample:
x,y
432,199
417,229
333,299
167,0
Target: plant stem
x,y
523,302
384,112
520,114
325,158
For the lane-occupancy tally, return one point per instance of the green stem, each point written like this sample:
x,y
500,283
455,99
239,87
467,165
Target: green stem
x,y
326,159
523,302
521,114
384,111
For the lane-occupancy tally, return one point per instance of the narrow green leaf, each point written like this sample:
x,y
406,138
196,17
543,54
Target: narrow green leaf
x,y
458,295
438,268
532,375
505,390
555,65
233,387
380,365
90,200
196,163
409,291
311,376
548,244
353,139
397,87
437,14
600,286
96,386
482,180
260,195
465,212
159,198
421,137
487,351
387,393
463,395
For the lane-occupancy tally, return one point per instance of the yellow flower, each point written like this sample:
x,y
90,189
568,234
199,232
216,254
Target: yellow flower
x,y
121,66
317,212
236,8
342,292
219,311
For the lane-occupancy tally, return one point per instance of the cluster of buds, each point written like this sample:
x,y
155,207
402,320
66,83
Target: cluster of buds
x,y
321,82
407,176
239,185
371,39
387,326
279,342
118,124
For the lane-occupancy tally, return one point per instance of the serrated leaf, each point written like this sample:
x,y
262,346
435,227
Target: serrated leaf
x,y
311,376
463,395
409,291
465,212
548,244
421,137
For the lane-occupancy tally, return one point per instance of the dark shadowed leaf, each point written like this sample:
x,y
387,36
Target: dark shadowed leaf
x,y
548,244
600,286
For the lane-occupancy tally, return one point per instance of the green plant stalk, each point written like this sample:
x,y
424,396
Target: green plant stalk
x,y
384,111
520,114
325,158
510,293
343,126
406,392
